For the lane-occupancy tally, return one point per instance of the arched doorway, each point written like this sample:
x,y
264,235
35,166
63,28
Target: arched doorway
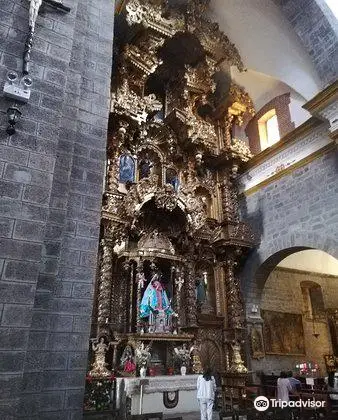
x,y
295,313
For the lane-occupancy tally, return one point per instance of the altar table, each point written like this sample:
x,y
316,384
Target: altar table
x,y
179,390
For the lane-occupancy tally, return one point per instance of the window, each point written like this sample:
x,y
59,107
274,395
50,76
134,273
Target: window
x,y
268,129
333,5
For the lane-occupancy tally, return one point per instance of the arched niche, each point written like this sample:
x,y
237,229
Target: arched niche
x,y
127,168
211,356
171,177
149,163
206,197
205,288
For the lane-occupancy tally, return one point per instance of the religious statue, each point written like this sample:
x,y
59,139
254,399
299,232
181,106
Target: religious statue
x,y
201,292
195,355
99,367
145,167
140,279
172,178
127,169
237,365
155,298
127,360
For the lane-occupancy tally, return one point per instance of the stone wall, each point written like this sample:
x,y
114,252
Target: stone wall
x,y
317,29
51,174
297,211
282,293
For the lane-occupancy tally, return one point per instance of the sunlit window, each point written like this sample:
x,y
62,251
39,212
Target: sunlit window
x,y
333,5
268,129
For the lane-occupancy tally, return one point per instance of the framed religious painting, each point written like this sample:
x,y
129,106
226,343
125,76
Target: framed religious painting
x,y
283,333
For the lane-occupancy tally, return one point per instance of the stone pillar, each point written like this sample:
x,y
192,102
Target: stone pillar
x,y
104,289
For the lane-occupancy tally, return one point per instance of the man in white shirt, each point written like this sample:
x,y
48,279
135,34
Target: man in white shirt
x,y
206,387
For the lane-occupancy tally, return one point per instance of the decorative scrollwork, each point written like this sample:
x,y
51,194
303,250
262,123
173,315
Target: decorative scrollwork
x,y
126,102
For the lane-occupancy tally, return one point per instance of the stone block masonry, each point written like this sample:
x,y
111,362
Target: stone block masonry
x,y
317,28
298,211
51,177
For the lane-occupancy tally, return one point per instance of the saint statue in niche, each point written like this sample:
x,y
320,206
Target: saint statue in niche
x,y
204,304
127,169
155,297
200,290
156,306
145,167
172,178
127,360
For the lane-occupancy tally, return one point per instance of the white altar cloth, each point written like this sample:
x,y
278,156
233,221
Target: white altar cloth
x,y
152,398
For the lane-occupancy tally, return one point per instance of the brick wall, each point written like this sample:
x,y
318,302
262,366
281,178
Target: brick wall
x,y
317,32
285,125
51,174
282,293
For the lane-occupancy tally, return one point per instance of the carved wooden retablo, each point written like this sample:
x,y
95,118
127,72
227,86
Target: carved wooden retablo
x,y
171,238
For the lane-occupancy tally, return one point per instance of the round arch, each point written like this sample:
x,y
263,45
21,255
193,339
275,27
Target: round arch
x,y
263,259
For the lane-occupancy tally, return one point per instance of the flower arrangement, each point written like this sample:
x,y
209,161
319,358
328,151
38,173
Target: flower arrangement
x,y
97,392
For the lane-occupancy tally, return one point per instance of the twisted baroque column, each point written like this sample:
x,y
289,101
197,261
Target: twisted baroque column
x,y
104,289
230,205
191,310
235,309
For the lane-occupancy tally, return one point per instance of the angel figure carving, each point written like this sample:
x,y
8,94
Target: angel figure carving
x,y
99,367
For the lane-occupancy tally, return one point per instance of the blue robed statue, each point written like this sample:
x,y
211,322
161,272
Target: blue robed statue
x,y
154,298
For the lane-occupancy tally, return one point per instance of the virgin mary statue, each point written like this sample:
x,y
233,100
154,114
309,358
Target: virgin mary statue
x,y
155,298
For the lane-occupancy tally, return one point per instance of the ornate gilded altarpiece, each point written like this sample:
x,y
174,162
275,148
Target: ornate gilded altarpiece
x,y
172,241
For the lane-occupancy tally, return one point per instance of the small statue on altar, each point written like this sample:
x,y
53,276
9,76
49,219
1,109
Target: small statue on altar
x,y
195,355
99,367
127,360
